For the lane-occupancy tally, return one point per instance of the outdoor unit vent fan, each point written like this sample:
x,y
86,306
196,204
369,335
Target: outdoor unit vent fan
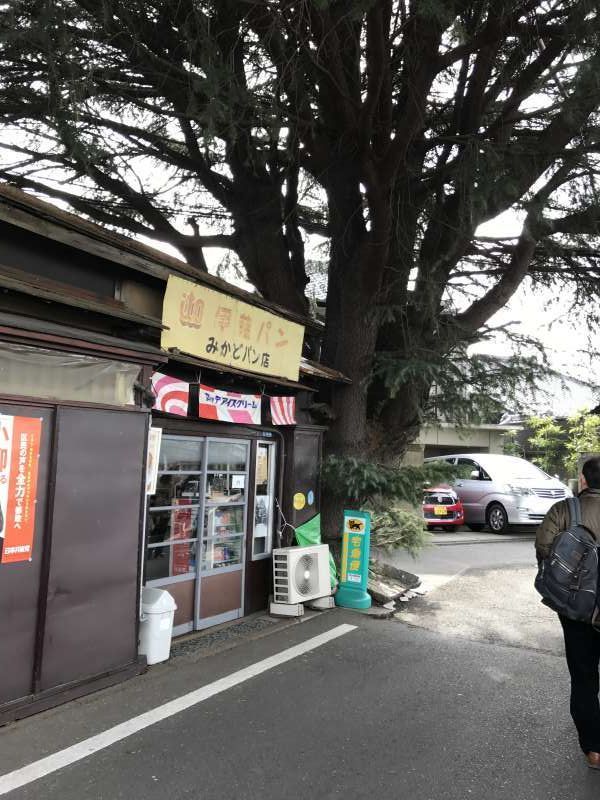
x,y
301,573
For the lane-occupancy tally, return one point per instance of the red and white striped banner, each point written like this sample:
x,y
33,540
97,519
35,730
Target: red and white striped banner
x,y
172,395
229,406
283,410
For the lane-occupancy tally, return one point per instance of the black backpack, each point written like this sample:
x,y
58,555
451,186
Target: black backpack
x,y
568,578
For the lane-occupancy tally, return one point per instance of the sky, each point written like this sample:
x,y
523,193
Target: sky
x,y
544,315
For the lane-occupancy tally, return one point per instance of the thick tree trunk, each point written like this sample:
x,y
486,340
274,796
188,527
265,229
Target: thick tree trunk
x,y
263,248
355,340
356,266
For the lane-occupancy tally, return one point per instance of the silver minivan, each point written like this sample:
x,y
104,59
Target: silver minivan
x,y
500,491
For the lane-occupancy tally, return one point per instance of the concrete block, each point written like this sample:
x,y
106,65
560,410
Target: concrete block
x,y
286,609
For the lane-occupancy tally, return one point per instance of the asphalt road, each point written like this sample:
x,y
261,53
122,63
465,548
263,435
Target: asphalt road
x,y
413,707
451,554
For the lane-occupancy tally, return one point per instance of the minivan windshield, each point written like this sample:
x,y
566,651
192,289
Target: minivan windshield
x,y
518,469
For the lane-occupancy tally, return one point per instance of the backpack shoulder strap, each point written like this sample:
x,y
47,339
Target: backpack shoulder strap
x,y
574,510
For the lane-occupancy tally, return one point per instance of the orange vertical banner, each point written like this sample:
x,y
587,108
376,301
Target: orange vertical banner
x,y
24,435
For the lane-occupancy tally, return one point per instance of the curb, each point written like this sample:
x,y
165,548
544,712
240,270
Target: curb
x,y
408,579
228,642
499,540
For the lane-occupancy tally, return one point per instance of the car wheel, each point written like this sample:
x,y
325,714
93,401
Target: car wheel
x,y
476,526
497,518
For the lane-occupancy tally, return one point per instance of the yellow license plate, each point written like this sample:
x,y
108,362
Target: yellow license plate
x,y
440,511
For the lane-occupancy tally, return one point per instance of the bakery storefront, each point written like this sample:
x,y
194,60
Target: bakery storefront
x,y
226,405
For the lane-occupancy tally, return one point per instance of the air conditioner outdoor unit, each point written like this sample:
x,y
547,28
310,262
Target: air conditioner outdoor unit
x,y
300,574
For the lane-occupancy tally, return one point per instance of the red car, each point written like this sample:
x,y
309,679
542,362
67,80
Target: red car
x,y
442,508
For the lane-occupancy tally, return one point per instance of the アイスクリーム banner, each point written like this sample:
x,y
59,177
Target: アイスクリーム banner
x,y
19,460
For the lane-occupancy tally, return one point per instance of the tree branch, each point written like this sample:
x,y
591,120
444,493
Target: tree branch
x,y
497,297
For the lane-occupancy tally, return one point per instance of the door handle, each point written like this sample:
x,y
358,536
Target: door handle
x,y
458,483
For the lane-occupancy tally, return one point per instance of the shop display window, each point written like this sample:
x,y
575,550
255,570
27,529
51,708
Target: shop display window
x,y
177,489
221,552
172,524
224,521
180,454
174,511
226,456
223,487
194,503
170,561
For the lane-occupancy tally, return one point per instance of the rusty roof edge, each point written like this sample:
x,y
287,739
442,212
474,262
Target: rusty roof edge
x,y
38,207
318,370
45,328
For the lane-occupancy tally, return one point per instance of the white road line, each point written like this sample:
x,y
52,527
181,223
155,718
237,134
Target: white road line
x,y
45,766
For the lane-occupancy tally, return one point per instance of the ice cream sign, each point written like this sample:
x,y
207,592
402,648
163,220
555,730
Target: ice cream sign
x,y
19,461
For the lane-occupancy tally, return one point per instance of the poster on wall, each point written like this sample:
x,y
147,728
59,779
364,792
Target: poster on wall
x,y
19,462
229,406
154,440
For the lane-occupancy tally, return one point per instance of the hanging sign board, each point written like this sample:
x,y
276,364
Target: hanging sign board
x,y
19,462
220,328
229,406
352,591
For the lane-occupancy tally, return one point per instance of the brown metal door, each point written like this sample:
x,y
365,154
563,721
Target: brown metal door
x,y
20,581
91,621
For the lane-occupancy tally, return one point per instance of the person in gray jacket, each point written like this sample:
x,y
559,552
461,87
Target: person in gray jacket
x,y
582,641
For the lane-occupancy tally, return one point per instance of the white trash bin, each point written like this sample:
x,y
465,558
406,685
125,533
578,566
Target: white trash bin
x,y
156,625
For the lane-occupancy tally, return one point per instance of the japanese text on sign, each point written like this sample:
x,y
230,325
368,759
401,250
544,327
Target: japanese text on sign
x,y
19,456
353,549
212,325
229,406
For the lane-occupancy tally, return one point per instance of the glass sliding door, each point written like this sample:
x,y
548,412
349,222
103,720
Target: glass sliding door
x,y
174,514
220,595
196,528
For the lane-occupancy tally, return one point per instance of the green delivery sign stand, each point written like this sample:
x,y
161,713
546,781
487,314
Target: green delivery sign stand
x,y
352,591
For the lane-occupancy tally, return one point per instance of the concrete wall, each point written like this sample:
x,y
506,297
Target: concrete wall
x,y
446,439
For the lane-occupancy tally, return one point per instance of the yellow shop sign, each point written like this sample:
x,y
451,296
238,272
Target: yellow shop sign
x,y
223,329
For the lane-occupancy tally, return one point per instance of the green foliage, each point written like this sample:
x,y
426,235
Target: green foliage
x,y
393,495
548,442
466,388
510,444
366,482
399,527
556,447
584,437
